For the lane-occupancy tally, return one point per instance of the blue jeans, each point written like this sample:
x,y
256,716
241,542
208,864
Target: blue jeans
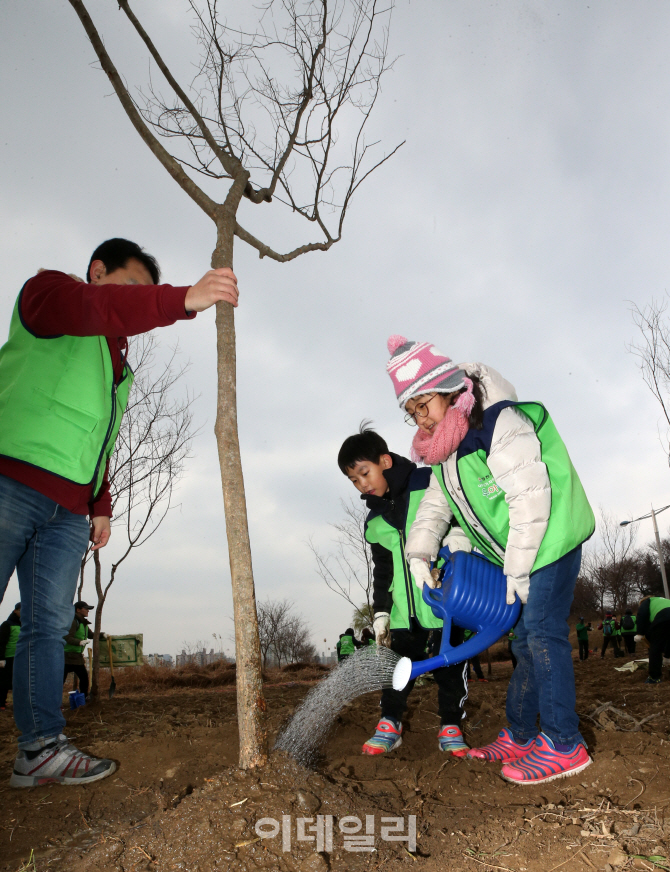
x,y
44,543
544,679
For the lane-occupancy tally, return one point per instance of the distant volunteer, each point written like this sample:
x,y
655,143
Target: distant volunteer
x,y
64,386
9,636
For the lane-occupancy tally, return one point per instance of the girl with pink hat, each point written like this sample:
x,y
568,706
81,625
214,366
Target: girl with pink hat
x,y
501,470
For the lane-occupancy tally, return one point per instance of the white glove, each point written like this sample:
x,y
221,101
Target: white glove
x,y
518,586
456,540
420,569
2,664
382,629
84,643
635,638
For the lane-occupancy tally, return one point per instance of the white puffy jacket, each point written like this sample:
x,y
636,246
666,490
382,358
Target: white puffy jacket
x,y
515,461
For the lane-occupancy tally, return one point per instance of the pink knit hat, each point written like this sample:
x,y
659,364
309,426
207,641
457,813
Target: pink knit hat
x,y
419,368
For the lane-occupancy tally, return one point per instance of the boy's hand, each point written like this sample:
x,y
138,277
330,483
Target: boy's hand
x,y
420,569
216,285
101,530
382,629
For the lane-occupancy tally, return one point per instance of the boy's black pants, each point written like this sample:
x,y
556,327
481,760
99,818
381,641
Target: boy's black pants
x,y
659,646
6,674
452,683
82,674
583,649
476,665
629,642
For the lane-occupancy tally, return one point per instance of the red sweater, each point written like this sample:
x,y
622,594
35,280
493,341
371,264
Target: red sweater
x,y
53,304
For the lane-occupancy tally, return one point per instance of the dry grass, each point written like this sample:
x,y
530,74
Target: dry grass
x,y
213,675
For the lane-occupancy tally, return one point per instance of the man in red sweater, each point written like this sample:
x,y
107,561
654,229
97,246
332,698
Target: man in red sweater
x,y
64,385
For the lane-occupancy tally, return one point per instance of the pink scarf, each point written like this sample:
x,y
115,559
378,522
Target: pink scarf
x,y
448,434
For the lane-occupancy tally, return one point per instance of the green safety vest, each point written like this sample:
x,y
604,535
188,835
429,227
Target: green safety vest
x,y
407,600
656,605
371,642
624,631
571,521
59,405
80,633
10,648
347,646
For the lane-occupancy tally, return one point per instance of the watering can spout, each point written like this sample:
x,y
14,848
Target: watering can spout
x,y
473,596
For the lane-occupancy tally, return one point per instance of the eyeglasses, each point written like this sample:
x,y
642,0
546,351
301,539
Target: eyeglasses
x,y
420,411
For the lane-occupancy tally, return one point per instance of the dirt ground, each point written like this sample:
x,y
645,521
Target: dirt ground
x,y
178,802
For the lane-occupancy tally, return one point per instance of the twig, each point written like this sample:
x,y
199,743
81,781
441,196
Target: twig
x,y
639,794
580,851
484,863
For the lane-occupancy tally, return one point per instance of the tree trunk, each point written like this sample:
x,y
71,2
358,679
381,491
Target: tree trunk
x,y
97,624
250,699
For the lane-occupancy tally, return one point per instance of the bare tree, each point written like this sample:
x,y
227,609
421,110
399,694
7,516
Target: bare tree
x,y
653,353
153,443
347,570
242,120
363,617
611,564
272,615
284,635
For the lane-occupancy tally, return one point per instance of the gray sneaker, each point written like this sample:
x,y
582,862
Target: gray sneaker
x,y
58,762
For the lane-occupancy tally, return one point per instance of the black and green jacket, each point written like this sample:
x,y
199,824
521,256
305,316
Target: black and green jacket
x,y
9,636
386,528
653,611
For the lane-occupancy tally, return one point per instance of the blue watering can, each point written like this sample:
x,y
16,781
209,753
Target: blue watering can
x,y
473,595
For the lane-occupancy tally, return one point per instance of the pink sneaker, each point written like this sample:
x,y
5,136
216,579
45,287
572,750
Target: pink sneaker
x,y
503,748
545,763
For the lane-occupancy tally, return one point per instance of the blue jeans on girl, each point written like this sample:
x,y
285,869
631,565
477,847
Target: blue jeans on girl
x,y
44,543
544,679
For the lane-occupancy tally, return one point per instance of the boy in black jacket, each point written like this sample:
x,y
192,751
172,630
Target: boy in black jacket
x,y
392,487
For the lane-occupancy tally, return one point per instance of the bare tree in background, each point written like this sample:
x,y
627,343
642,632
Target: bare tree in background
x,y
284,635
347,570
653,353
153,443
265,138
611,564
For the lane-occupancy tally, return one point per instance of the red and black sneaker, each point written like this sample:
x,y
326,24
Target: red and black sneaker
x,y
545,763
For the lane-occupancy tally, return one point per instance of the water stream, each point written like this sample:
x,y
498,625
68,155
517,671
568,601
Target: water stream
x,y
368,669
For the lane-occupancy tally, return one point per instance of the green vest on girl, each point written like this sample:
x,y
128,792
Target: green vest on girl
x,y
571,521
59,406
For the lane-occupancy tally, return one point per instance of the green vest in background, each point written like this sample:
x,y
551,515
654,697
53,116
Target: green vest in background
x,y
571,521
656,605
10,648
60,408
624,631
407,599
81,633
346,646
371,643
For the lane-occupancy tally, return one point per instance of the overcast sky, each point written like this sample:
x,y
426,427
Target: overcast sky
x,y
528,207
